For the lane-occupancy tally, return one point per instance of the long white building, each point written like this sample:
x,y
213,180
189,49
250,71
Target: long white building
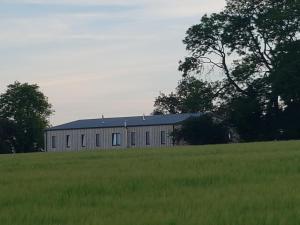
x,y
114,133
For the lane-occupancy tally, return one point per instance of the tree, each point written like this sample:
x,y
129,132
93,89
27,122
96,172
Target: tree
x,y
242,41
245,114
253,46
167,104
28,108
191,95
7,138
286,76
202,130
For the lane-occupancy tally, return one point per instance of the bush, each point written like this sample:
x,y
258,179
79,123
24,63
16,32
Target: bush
x,y
202,130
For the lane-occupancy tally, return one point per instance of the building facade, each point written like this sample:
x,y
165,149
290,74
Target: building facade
x,y
114,133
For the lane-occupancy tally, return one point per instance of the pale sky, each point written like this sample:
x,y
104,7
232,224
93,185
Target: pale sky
x,y
94,57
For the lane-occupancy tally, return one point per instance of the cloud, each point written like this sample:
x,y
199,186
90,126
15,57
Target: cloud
x,y
174,8
75,2
64,24
103,56
178,9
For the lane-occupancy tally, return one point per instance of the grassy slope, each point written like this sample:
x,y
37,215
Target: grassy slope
x,y
247,184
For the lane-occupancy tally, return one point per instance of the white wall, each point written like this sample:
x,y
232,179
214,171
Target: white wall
x,y
106,138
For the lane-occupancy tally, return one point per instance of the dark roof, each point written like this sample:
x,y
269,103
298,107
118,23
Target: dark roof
x,y
129,121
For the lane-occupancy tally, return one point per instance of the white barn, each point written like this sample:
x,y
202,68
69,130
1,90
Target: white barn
x,y
114,133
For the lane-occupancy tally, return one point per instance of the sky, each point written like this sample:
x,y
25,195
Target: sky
x,y
97,57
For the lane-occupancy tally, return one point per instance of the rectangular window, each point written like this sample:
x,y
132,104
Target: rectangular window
x,y
116,139
53,141
97,140
163,137
133,138
147,138
68,141
83,141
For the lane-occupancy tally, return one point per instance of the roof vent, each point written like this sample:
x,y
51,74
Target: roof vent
x,y
102,118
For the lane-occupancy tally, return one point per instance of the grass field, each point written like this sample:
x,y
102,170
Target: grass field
x,y
242,184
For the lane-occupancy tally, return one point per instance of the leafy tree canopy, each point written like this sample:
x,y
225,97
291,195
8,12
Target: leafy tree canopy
x,y
28,108
191,95
251,51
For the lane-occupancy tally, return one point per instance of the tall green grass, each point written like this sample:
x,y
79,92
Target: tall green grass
x,y
242,184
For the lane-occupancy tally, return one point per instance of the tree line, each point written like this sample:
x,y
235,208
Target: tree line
x,y
244,66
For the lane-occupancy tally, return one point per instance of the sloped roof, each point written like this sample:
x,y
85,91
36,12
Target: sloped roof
x,y
129,121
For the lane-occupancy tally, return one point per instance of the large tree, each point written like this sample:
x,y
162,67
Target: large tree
x,y
28,108
251,47
243,41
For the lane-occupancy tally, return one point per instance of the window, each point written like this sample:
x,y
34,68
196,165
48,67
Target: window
x,y
116,139
83,141
68,141
133,138
97,140
147,138
163,137
53,141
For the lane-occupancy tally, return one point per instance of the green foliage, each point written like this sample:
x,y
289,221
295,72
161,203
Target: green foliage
x,y
202,130
192,95
254,44
28,108
250,31
240,184
166,104
290,122
286,76
7,138
245,113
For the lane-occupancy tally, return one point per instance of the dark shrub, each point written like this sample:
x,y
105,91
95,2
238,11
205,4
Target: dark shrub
x,y
202,130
